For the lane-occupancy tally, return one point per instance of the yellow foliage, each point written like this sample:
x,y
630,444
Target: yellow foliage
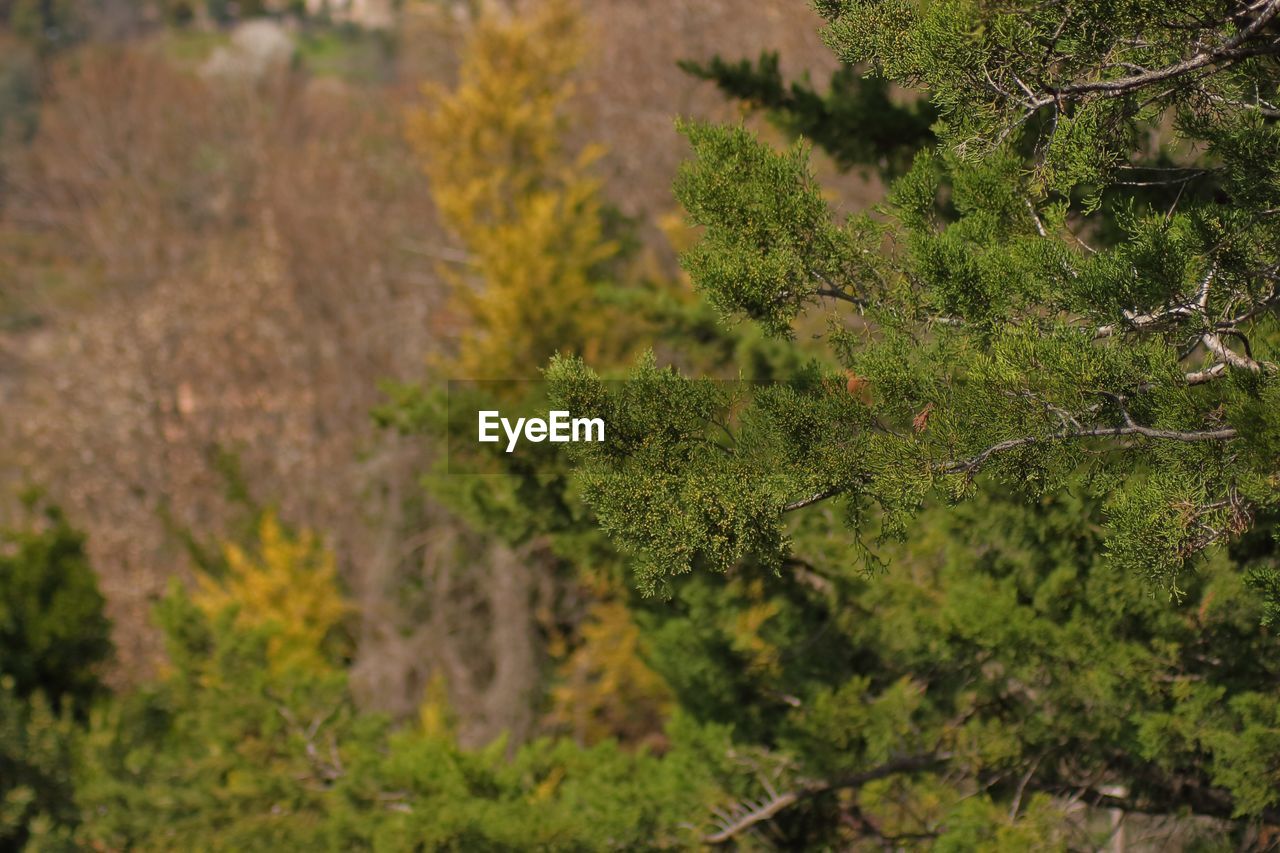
x,y
528,210
606,689
496,139
435,715
532,217
546,789
289,586
745,630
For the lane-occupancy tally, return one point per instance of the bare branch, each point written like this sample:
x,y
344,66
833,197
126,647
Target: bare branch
x,y
1035,217
974,463
1200,377
1233,49
1228,355
772,805
816,497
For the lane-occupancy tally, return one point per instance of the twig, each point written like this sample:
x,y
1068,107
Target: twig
x,y
974,463
765,810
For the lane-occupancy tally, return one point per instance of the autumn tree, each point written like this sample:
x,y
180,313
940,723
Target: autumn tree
x,y
543,266
288,585
525,204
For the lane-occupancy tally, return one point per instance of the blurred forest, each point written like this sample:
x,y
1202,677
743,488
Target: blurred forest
x,y
243,245
218,241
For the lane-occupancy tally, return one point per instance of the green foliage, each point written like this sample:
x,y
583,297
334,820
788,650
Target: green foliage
x,y
982,330
667,485
242,754
223,749
855,121
54,636
1000,645
770,246
38,748
1022,667
1045,402
54,639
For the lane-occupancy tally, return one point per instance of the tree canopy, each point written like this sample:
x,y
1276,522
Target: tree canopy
x,y
1077,283
949,524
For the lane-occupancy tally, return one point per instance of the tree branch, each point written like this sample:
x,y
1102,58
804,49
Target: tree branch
x,y
1228,355
1231,50
816,497
975,463
1200,377
766,809
1199,800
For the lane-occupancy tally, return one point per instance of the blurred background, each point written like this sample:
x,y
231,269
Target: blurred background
x,y
243,248
217,238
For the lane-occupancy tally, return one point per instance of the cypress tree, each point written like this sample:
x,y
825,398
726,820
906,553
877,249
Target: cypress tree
x,y
1077,282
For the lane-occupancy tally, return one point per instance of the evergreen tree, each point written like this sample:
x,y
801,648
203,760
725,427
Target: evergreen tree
x,y
252,741
987,324
54,640
855,121
54,635
1063,320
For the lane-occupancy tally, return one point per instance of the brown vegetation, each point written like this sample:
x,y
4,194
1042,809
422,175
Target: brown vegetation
x,y
194,266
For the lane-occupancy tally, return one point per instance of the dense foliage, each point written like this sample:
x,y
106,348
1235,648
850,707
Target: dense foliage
x,y
989,565
1000,320
856,121
970,696
1067,302
53,634
251,740
54,639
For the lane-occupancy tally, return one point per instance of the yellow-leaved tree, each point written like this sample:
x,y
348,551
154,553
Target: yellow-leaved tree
x,y
288,585
526,207
605,689
534,222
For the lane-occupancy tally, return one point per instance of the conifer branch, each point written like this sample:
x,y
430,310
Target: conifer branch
x,y
1232,50
766,809
974,463
816,497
